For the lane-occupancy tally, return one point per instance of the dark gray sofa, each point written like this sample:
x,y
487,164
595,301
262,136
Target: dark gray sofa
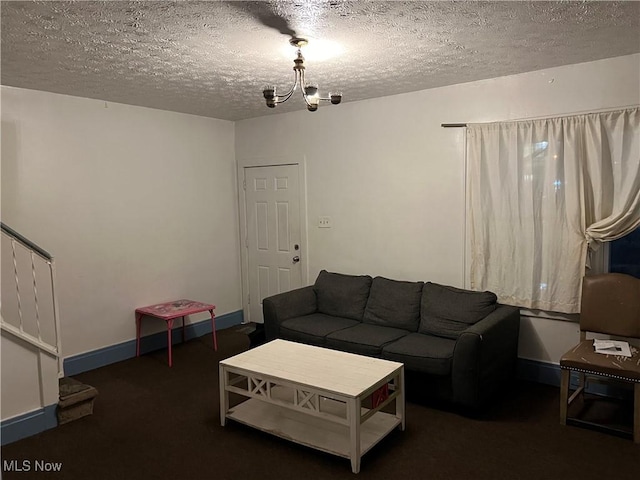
x,y
461,345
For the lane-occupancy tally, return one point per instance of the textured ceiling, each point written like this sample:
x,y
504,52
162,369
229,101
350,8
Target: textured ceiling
x,y
214,58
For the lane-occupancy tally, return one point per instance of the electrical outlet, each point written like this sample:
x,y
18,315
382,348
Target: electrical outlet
x,y
324,222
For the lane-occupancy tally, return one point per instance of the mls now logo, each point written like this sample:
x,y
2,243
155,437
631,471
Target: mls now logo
x,y
28,466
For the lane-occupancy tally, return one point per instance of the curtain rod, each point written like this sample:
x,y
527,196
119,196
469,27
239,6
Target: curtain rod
x,y
601,110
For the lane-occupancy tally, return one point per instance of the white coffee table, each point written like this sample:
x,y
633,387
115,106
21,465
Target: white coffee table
x,y
314,396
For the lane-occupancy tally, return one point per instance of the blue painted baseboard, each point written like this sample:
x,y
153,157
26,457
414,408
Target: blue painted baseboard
x,y
123,351
45,418
549,374
28,424
35,422
539,372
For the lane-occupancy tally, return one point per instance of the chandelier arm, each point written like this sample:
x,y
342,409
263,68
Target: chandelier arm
x,y
304,94
328,99
287,96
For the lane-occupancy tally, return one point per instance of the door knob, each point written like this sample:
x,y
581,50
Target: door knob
x,y
296,259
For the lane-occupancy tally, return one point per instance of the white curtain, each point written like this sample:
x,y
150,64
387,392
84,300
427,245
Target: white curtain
x,y
542,193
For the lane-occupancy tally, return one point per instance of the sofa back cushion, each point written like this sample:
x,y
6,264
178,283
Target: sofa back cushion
x,y
394,303
342,295
447,311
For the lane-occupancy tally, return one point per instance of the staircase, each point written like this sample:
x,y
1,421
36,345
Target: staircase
x,y
30,325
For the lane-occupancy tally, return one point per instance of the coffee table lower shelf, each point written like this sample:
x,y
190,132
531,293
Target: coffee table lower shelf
x,y
311,431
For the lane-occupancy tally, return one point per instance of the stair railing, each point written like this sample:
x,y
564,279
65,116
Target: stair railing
x,y
21,245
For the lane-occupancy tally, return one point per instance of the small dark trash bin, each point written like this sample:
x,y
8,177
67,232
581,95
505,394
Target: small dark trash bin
x,y
257,337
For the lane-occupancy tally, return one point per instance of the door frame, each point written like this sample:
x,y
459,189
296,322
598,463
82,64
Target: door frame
x,y
242,214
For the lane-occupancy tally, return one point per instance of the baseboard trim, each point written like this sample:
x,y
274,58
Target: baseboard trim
x,y
32,423
116,353
28,424
45,418
539,372
550,373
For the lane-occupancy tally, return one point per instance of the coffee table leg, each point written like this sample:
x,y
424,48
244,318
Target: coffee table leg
x,y
224,396
400,404
354,431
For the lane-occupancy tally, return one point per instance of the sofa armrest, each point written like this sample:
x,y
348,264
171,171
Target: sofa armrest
x,y
294,303
485,357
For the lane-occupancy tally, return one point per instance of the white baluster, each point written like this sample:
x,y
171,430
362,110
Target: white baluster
x,y
35,294
15,271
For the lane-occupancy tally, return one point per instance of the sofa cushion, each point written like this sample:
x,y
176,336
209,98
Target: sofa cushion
x,y
394,303
313,328
423,353
363,338
342,295
447,311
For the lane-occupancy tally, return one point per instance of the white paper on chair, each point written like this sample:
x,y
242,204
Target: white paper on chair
x,y
612,347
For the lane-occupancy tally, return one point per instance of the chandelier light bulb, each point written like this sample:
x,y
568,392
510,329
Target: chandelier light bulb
x,y
311,90
270,96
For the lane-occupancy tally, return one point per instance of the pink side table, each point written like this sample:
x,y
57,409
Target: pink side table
x,y
169,312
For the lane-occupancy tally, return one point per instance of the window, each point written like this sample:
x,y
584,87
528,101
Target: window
x,y
624,254
543,197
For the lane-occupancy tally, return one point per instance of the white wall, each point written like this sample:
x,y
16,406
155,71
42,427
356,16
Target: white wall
x,y
137,206
392,179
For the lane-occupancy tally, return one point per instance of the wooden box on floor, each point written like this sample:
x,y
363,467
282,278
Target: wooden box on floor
x,y
76,400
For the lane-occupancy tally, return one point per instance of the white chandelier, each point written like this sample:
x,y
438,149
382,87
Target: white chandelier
x,y
309,92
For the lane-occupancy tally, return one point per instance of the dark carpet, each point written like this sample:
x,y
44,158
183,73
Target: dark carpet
x,y
155,422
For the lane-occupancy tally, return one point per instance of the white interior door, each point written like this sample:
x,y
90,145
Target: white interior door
x,y
273,233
